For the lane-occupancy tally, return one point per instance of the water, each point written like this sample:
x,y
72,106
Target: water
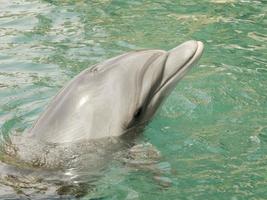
x,y
211,132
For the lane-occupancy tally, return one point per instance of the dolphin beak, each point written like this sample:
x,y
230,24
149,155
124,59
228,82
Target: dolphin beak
x,y
180,60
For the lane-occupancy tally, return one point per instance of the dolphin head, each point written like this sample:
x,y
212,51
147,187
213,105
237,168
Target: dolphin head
x,y
166,72
140,81
116,95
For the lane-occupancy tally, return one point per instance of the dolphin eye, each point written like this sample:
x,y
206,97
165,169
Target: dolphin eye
x,y
138,112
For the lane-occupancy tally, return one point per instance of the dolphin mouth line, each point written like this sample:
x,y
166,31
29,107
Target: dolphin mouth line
x,y
186,66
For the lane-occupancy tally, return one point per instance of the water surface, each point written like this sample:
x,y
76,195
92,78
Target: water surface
x,y
212,130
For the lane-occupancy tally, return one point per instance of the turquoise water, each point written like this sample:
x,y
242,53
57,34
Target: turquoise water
x,y
211,132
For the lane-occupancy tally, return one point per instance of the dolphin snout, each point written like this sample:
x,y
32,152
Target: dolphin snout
x,y
179,60
182,56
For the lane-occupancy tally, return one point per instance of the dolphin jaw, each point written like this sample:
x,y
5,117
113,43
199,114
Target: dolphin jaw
x,y
179,61
190,57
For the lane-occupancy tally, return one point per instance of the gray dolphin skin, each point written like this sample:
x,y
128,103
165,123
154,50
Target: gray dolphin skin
x,y
74,140
116,95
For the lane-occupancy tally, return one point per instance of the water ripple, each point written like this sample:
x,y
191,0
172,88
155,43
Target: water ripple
x,y
211,132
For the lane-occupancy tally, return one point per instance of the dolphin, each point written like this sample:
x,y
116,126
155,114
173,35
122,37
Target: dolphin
x,y
83,127
111,98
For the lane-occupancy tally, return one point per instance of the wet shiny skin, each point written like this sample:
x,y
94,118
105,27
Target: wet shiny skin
x,y
211,132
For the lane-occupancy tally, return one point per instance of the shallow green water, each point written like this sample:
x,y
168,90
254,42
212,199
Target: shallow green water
x,y
211,131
